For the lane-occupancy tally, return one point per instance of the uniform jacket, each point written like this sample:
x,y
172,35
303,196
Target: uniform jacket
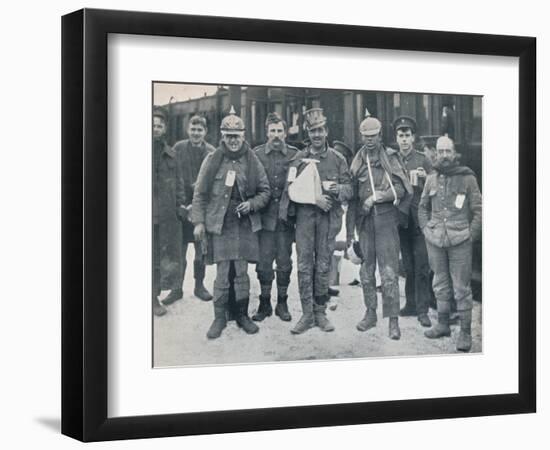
x,y
413,161
332,166
276,163
449,211
210,205
363,190
189,160
167,194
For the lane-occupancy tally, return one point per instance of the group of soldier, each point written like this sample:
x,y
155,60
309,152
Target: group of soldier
x,y
236,205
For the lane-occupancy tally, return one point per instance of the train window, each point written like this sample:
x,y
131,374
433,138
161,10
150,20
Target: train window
x,y
396,102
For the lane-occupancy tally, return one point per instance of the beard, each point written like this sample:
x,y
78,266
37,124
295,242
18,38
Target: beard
x,y
276,142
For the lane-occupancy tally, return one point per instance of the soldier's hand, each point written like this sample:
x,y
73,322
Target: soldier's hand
x,y
368,204
243,208
189,211
182,212
421,172
199,232
334,188
324,202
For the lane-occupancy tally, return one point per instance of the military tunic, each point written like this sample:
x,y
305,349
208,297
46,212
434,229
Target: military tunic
x,y
276,236
189,159
316,230
450,216
413,245
377,229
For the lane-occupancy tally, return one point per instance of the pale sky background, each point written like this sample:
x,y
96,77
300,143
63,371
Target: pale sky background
x,y
163,91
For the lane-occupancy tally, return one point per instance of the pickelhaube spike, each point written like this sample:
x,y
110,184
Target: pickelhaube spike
x,y
232,124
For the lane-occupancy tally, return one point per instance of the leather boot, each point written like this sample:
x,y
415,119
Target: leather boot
x,y
220,321
307,320
173,296
424,320
158,309
408,310
333,292
320,314
394,332
264,310
200,291
281,309
242,319
464,342
441,329
368,321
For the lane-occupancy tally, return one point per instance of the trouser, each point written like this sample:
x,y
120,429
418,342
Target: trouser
x,y
241,281
379,241
314,249
417,268
199,267
156,261
275,246
452,268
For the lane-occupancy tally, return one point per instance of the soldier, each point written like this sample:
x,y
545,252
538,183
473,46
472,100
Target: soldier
x,y
449,214
413,245
276,236
231,189
317,225
380,182
167,194
190,154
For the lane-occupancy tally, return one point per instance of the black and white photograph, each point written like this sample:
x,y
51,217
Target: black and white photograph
x,y
298,223
336,209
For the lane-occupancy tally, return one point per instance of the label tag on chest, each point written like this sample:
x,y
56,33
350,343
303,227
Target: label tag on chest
x,y
230,178
459,202
291,174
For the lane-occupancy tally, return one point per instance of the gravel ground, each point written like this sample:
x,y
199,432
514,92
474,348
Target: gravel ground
x,y
180,335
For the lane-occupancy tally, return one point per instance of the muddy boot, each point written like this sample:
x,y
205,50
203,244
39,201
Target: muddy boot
x,y
220,321
200,291
307,320
454,318
394,332
320,314
441,329
408,310
158,309
464,342
281,309
368,321
173,296
242,319
333,292
424,320
264,310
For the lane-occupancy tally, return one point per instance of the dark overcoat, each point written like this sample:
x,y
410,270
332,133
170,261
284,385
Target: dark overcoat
x,y
168,193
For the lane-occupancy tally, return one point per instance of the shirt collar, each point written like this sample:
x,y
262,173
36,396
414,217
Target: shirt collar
x,y
410,155
268,149
322,154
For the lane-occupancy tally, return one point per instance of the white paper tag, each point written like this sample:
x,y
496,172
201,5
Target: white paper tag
x,y
459,202
291,174
230,178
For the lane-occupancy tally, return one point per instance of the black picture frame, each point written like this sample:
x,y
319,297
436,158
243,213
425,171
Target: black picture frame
x,y
84,224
